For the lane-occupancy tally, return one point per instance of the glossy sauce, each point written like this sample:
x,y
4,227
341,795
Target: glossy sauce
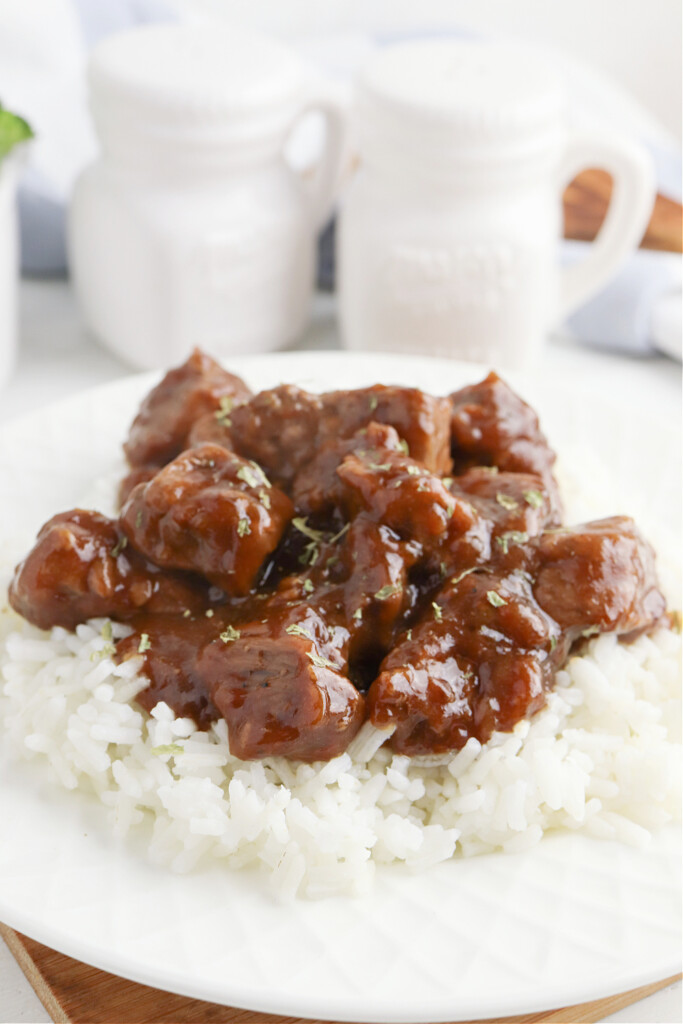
x,y
310,562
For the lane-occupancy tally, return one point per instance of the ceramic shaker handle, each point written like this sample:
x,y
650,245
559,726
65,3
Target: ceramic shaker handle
x,y
633,197
327,175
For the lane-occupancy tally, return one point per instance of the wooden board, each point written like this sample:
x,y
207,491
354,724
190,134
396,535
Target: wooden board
x,y
585,204
73,993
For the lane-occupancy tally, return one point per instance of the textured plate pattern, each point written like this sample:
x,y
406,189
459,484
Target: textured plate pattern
x,y
572,920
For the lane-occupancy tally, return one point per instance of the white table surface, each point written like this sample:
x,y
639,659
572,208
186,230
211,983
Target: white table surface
x,y
56,359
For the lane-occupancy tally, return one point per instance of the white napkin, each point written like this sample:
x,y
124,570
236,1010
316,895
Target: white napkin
x,y
640,307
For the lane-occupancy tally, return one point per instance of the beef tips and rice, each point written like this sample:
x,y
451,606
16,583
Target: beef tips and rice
x,y
330,631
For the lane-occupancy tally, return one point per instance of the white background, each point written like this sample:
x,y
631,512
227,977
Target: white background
x,y
638,42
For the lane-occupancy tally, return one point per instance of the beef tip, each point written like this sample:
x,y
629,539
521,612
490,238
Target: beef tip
x,y
376,591
421,420
487,655
171,646
82,567
492,426
209,511
318,489
359,581
174,644
599,577
139,475
396,490
428,701
211,428
467,543
278,429
160,430
517,504
174,651
480,659
280,692
284,429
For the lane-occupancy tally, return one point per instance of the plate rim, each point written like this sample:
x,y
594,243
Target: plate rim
x,y
247,999
185,985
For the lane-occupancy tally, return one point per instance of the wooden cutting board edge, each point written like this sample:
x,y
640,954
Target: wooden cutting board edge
x,y
74,993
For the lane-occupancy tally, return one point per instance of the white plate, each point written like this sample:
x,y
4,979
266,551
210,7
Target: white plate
x,y
573,920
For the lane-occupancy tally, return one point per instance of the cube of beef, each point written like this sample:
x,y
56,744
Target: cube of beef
x,y
492,426
281,690
82,567
138,475
396,490
160,430
479,659
279,430
375,591
517,505
318,488
599,577
209,511
421,420
212,428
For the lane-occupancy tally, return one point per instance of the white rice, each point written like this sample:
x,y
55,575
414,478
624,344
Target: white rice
x,y
602,758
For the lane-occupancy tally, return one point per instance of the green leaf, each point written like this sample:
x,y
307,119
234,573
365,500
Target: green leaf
x,y
167,748
533,498
230,635
321,662
222,414
301,524
248,476
13,130
121,543
461,576
296,630
506,501
106,651
511,537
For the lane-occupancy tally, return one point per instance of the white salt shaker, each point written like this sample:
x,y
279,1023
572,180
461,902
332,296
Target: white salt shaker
x,y
192,228
448,240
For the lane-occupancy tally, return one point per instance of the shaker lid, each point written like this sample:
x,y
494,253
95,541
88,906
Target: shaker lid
x,y
475,100
185,81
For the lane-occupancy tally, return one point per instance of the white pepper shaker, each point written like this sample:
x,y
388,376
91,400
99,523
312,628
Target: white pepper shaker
x,y
192,228
448,238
